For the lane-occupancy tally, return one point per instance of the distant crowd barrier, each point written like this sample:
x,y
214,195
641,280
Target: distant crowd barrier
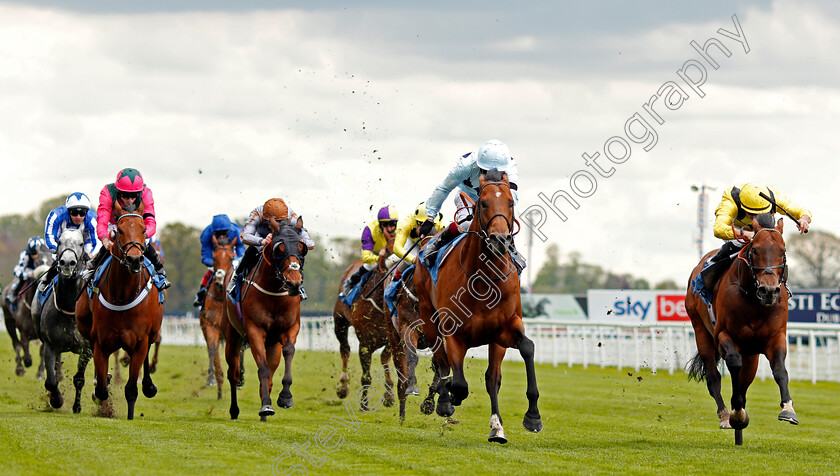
x,y
624,329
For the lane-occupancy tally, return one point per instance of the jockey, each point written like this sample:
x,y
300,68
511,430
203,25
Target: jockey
x,y
406,237
493,154
733,221
25,267
256,234
75,213
375,238
221,226
131,191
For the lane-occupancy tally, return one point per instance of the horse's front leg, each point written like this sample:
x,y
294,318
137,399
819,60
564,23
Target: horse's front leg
x,y
780,374
51,383
233,357
149,388
137,359
532,420
79,378
284,400
256,338
100,367
385,359
458,387
493,382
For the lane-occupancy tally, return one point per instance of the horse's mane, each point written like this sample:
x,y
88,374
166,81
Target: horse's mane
x,y
765,220
494,175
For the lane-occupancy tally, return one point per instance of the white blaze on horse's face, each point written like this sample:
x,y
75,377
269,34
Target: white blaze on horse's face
x,y
220,276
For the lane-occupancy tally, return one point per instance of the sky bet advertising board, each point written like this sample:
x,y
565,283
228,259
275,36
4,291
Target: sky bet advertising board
x,y
636,307
821,306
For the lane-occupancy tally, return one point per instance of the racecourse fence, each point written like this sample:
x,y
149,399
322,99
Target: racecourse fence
x,y
813,349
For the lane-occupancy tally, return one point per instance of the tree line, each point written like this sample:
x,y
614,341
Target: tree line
x,y
814,262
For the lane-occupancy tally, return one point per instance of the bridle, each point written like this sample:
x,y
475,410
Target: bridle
x,y
763,269
483,227
124,248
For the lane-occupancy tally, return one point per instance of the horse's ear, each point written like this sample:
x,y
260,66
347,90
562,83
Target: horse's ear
x,y
299,223
272,223
481,179
780,226
755,225
215,242
118,209
140,208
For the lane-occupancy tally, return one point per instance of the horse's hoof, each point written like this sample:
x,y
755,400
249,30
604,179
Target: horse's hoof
x,y
412,390
389,402
428,406
724,425
284,403
149,390
444,410
234,413
739,419
266,410
342,392
39,376
211,381
533,425
19,371
27,361
56,400
77,408
497,432
789,417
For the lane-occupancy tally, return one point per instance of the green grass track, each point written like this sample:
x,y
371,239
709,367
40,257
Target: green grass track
x,y
597,421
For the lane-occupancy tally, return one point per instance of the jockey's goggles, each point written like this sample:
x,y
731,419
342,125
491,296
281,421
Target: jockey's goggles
x,y
389,224
128,195
77,212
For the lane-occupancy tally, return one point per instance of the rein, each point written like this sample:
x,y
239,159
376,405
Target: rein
x,y
764,269
124,248
485,237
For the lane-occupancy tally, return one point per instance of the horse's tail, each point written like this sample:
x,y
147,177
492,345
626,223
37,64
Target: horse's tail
x,y
696,367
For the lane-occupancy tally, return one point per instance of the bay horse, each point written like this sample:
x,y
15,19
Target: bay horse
x,y
475,302
270,315
750,302
125,311
406,341
368,317
19,322
55,321
213,312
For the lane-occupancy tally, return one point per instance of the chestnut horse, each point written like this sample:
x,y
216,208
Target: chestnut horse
x,y
18,322
476,302
372,327
270,317
750,302
125,312
213,312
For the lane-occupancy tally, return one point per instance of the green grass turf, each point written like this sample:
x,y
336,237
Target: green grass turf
x,y
597,421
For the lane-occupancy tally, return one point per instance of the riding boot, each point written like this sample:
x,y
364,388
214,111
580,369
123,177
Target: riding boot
x,y
248,259
11,294
717,265
45,280
431,251
97,260
154,258
351,282
199,297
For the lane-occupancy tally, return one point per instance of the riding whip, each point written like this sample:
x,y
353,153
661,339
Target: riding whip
x,y
367,294
762,195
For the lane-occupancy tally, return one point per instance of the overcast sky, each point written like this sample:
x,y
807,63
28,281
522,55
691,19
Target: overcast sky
x,y
344,106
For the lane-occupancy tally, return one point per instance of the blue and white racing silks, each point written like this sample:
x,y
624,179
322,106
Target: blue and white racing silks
x,y
59,219
464,175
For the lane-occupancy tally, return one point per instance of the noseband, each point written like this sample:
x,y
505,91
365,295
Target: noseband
x,y
124,248
763,269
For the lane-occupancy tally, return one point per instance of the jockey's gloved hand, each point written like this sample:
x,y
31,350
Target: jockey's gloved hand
x,y
426,228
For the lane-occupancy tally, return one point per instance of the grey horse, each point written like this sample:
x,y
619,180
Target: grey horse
x,y
55,322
